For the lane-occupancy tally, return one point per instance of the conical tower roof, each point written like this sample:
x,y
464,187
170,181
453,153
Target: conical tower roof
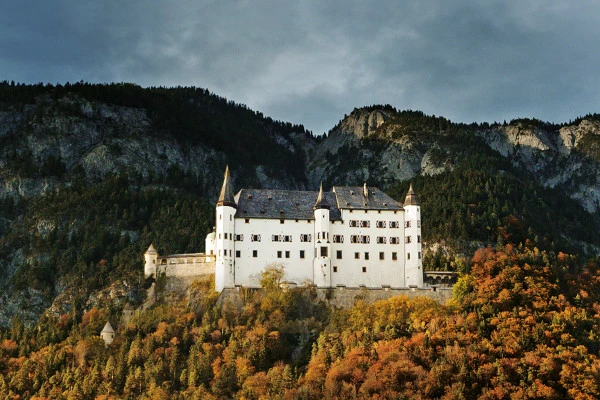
x,y
226,197
151,250
411,197
108,328
321,201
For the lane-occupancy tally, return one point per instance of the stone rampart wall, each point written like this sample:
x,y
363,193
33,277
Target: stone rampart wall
x,y
187,269
343,297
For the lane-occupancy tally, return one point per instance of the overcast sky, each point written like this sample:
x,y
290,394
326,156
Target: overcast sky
x,y
311,62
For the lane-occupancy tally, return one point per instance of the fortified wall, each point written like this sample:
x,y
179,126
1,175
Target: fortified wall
x,y
178,265
343,297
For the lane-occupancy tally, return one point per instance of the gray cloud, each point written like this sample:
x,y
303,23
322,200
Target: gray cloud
x,y
311,62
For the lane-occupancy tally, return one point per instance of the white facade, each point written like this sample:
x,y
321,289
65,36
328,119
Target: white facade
x,y
378,263
350,237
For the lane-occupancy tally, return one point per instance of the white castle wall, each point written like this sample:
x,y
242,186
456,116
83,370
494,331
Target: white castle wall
x,y
377,273
186,265
181,265
346,270
248,268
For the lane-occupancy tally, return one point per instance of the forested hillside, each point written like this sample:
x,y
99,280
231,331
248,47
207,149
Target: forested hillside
x,y
523,324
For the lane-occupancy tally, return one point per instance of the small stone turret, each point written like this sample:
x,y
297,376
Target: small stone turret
x,y
108,334
210,245
151,261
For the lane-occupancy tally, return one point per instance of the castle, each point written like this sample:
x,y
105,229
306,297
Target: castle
x,y
349,237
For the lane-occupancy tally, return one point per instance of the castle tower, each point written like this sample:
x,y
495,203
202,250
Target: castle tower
x,y
413,265
107,334
151,261
210,245
322,260
225,234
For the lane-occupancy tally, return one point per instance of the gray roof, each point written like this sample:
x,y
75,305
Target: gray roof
x,y
281,204
411,197
292,204
226,195
352,197
108,328
321,200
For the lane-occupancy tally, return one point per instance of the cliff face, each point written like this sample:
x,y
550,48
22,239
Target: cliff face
x,y
381,147
78,137
559,157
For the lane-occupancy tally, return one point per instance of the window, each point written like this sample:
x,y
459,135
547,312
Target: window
x,y
275,238
353,223
357,255
407,239
287,254
366,255
381,255
239,238
365,224
338,254
418,223
282,221
394,224
338,238
301,253
247,220
324,251
418,238
219,236
254,253
255,238
394,256
278,253
394,240
407,224
360,239
381,240
364,269
334,268
419,255
238,253
287,238
305,238
408,256
380,224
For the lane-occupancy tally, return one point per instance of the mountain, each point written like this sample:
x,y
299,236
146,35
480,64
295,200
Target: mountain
x,y
91,174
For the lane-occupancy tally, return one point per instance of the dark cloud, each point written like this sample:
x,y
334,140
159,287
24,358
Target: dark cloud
x,y
311,62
